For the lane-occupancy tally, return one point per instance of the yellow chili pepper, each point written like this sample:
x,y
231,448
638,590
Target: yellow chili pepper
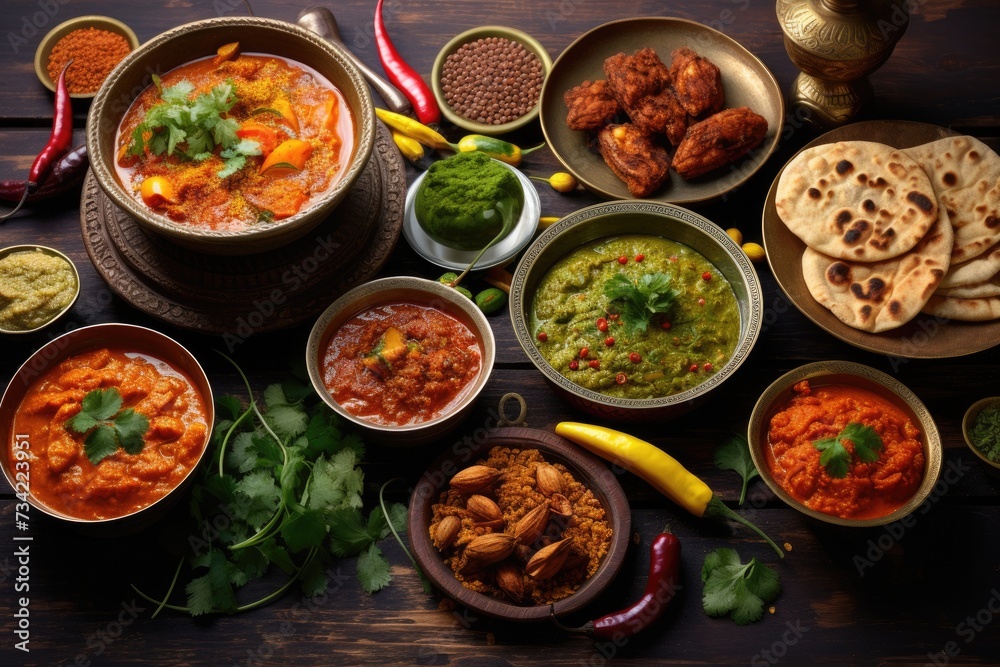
x,y
547,221
560,181
411,149
414,129
755,252
656,467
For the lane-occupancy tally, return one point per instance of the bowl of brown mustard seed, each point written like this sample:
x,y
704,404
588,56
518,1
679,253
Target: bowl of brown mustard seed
x,y
488,80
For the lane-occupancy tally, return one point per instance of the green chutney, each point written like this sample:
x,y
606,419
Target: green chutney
x,y
464,200
574,324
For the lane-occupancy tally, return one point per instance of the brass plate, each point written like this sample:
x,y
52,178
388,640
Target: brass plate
x,y
246,294
746,80
923,337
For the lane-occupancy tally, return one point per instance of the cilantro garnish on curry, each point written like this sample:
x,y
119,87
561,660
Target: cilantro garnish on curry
x,y
107,426
635,316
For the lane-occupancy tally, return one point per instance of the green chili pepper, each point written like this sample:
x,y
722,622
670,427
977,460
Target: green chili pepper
x,y
495,148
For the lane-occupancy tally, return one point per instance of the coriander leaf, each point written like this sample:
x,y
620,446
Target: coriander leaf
x,y
867,442
289,479
100,444
278,555
835,456
213,591
179,92
718,558
256,498
313,578
323,433
378,525
721,595
130,427
373,570
295,390
248,564
762,581
230,406
398,515
231,166
102,403
749,607
735,455
242,454
348,534
287,419
639,300
222,487
81,422
740,591
353,442
304,530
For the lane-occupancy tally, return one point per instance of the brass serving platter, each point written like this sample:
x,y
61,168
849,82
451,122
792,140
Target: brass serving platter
x,y
925,336
745,79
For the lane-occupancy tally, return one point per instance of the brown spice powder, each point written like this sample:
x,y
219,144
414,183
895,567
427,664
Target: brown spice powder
x,y
94,54
517,494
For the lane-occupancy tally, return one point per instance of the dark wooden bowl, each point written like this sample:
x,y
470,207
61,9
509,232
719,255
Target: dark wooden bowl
x,y
585,467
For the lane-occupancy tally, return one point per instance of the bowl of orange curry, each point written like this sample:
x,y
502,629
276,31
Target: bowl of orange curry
x,y
231,135
845,443
402,358
104,426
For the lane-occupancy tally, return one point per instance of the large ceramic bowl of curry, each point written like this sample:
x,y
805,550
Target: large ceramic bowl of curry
x,y
104,426
231,135
403,358
845,444
635,310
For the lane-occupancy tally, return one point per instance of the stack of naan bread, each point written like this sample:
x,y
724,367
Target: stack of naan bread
x,y
892,233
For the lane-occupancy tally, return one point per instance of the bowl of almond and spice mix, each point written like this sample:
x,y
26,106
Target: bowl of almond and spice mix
x,y
231,135
94,44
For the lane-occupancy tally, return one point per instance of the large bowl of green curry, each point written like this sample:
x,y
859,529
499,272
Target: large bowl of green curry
x,y
636,309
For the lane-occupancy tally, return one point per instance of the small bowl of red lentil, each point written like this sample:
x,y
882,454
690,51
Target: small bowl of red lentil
x,y
95,44
488,80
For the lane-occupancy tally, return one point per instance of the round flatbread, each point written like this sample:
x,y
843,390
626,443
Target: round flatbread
x,y
878,296
856,200
967,310
965,175
981,290
974,271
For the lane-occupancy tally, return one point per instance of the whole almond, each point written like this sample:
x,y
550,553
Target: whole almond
x,y
475,479
549,479
446,532
510,580
486,550
484,508
531,526
561,506
547,561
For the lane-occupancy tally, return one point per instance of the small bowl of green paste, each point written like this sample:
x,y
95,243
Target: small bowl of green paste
x,y
37,286
461,203
981,429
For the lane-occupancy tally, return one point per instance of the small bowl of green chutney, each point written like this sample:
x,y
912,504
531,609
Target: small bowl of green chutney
x,y
981,430
38,285
462,203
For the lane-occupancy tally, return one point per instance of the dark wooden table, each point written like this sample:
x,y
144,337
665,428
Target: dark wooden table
x,y
926,593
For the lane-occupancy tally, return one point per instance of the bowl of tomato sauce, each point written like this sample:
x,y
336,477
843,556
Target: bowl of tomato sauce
x,y
403,358
845,443
104,426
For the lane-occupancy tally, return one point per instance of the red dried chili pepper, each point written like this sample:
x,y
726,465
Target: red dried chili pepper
x,y
57,145
67,174
661,585
404,76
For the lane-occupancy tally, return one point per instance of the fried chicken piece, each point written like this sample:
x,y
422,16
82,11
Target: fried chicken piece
x,y
718,140
660,114
697,81
634,157
591,106
634,77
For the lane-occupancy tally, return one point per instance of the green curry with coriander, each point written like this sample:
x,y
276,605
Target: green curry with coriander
x,y
635,316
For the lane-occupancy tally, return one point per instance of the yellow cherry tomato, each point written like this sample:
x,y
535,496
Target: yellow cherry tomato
x,y
754,251
736,235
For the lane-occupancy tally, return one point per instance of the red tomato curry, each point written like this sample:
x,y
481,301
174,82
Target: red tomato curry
x,y
869,490
285,135
61,475
397,364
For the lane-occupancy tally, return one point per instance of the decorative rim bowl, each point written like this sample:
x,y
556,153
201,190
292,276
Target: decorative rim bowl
x,y
967,422
80,22
865,377
636,217
55,253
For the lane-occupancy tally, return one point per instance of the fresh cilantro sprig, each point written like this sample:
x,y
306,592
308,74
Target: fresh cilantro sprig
x,y
737,590
193,128
637,301
289,481
837,459
107,426
735,455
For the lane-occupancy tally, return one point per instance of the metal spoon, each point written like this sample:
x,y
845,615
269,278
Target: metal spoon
x,y
322,22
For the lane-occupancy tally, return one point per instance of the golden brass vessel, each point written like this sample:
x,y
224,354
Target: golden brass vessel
x,y
836,44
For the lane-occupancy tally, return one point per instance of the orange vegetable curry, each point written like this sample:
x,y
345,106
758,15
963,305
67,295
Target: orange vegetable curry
x,y
285,135
61,475
400,363
870,489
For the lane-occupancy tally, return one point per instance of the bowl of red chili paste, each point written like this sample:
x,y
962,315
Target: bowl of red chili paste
x,y
845,443
104,426
403,358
